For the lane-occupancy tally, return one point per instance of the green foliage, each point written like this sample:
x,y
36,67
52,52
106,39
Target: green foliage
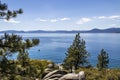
x,y
4,62
35,69
10,44
5,13
38,67
23,58
35,41
103,60
104,74
76,55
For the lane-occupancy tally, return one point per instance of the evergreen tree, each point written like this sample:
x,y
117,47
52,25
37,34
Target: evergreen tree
x,y
76,55
5,13
103,59
10,44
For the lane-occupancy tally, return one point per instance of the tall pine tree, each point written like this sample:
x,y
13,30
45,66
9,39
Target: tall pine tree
x,y
76,55
103,60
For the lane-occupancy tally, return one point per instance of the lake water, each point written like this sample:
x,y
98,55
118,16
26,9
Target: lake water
x,y
53,46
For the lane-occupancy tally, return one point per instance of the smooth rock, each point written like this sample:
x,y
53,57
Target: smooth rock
x,y
47,70
73,76
54,74
70,76
50,65
81,75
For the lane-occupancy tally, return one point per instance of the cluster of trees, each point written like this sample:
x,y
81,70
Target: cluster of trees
x,y
77,55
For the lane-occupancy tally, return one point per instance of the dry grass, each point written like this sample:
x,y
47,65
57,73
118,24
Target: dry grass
x,y
104,74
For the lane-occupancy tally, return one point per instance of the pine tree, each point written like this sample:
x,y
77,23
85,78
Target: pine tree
x,y
10,44
103,60
76,55
5,13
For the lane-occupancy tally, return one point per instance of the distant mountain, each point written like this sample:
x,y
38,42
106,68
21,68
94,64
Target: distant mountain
x,y
109,30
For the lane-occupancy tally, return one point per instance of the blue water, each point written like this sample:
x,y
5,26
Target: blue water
x,y
53,46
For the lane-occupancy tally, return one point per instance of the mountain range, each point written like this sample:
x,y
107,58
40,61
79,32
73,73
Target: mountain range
x,y
109,30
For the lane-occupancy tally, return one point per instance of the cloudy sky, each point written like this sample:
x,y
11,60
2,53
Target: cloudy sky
x,y
63,15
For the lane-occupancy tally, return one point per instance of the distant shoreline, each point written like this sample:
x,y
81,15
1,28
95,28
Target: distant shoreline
x,y
109,30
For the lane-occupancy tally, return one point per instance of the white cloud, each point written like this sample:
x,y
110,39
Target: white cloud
x,y
41,20
83,20
12,21
64,19
102,17
53,20
114,17
107,17
59,19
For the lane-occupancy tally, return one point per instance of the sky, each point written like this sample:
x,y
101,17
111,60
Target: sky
x,y
63,15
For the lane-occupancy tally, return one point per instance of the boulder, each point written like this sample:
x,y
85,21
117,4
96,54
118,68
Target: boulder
x,y
50,65
81,75
54,77
73,76
54,74
70,76
47,70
